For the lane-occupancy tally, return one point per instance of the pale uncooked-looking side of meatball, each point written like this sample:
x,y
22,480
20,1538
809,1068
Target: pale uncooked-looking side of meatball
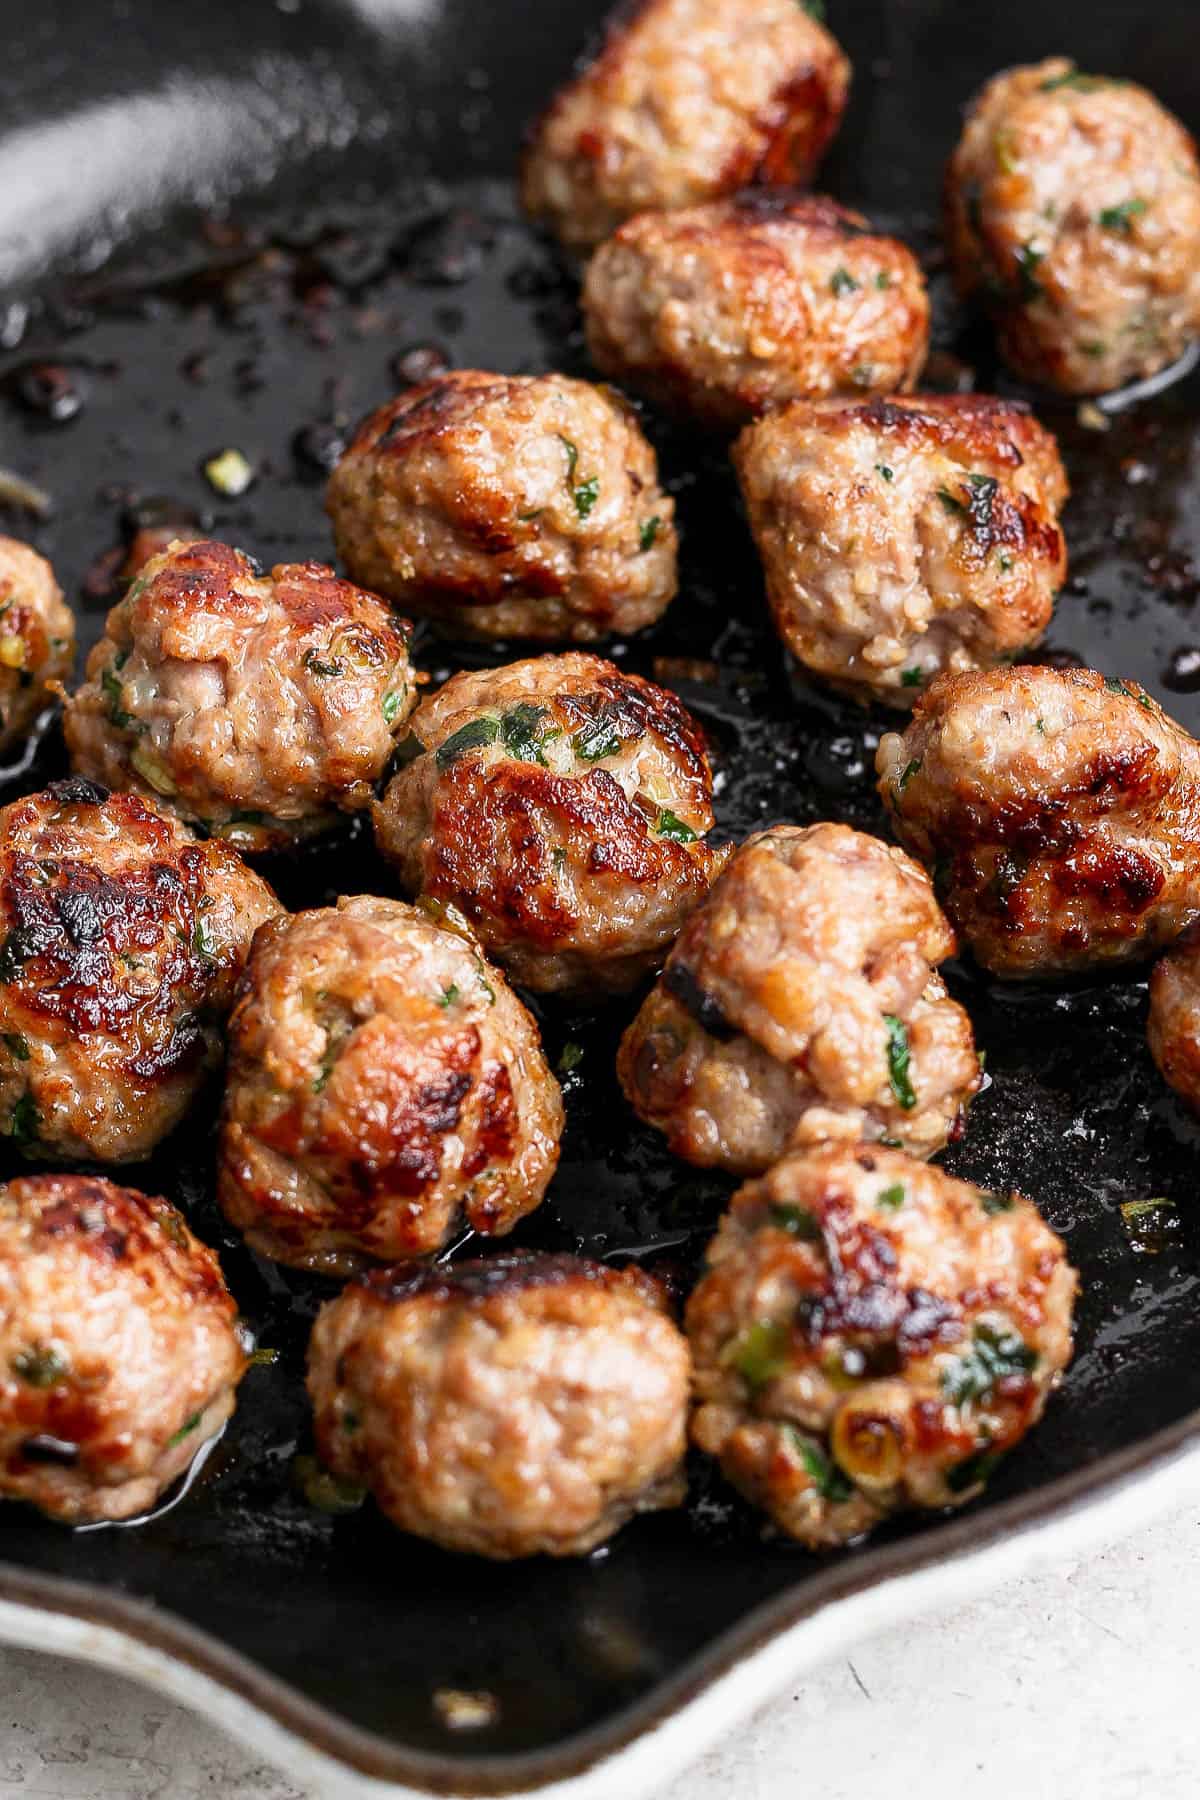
x,y
686,101
506,506
121,940
563,806
1173,1027
872,1335
260,707
37,639
120,1352
1073,211
522,1405
800,1004
385,1090
902,537
720,312
1059,811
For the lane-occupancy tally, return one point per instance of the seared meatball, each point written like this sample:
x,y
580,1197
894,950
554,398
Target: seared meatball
x,y
257,706
686,100
37,639
1174,1024
722,311
119,1347
121,940
902,537
517,1406
562,805
872,1335
1059,811
508,506
1073,210
800,1004
385,1088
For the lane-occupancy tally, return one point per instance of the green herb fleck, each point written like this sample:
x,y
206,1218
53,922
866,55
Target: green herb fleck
x,y
882,469
316,665
842,282
648,533
906,774
1120,218
668,825
586,495
25,1122
203,942
18,1045
826,1477
759,1353
449,995
40,1367
185,1430
474,735
485,984
1005,561
898,1059
597,739
997,1352
797,1221
391,704
114,692
523,732
912,677
570,1058
883,280
892,1198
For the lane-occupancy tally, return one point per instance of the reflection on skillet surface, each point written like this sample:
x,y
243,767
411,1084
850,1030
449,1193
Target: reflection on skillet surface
x,y
281,332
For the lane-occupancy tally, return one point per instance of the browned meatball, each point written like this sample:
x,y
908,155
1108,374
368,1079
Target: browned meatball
x,y
562,805
687,100
385,1088
37,639
1073,210
1173,1027
121,940
903,537
1059,811
257,706
872,1335
800,1004
119,1347
518,1406
508,506
722,311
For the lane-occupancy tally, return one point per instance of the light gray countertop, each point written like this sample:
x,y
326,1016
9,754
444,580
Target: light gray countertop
x,y
1081,1681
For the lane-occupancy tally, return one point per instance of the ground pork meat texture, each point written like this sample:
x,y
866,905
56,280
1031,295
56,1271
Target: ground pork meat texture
x,y
121,940
719,312
119,1347
800,1003
386,1089
1173,1028
522,1405
562,806
259,706
1059,811
1073,212
903,537
508,506
37,639
872,1335
686,101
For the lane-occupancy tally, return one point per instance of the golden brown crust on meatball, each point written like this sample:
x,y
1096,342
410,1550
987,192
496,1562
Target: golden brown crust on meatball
x,y
524,1405
1073,211
562,805
902,537
37,639
873,1335
800,1004
687,100
119,1348
1059,811
121,940
722,311
508,506
1173,1027
385,1088
257,706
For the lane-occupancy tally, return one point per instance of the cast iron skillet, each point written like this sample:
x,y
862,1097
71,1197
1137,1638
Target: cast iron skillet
x,y
387,225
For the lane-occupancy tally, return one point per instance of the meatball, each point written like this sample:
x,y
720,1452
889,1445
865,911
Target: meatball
x,y
508,506
800,1004
1173,1028
1059,811
686,100
902,537
523,1405
119,1347
258,707
562,806
121,940
385,1088
722,311
37,639
1073,211
872,1335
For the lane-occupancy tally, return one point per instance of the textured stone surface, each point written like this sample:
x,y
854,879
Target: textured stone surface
x,y
1078,1681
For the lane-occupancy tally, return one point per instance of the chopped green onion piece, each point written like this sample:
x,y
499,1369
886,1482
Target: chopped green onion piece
x,y
759,1353
898,1058
892,1198
669,825
474,735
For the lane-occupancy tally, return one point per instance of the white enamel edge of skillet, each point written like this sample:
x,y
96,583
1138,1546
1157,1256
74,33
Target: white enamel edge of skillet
x,y
662,1751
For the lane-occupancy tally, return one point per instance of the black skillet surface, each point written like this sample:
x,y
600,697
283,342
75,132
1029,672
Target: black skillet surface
x,y
270,329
